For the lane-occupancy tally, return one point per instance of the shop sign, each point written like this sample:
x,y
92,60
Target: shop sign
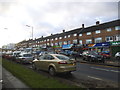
x,y
115,43
91,45
102,44
99,44
56,46
67,46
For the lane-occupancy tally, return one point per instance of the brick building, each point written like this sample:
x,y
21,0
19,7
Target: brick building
x,y
96,36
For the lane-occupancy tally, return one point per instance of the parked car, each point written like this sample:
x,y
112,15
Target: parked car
x,y
92,56
117,55
25,58
54,63
15,55
67,52
105,55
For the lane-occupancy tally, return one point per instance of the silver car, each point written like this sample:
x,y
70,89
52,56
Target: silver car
x,y
25,58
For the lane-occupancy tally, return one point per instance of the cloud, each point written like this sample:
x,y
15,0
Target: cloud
x,y
51,16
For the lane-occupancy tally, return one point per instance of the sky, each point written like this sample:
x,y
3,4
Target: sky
x,y
50,17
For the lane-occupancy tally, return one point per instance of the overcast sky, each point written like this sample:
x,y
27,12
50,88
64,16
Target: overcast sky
x,y
50,16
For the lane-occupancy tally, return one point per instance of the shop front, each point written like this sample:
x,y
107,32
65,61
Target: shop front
x,y
100,47
67,46
115,47
57,48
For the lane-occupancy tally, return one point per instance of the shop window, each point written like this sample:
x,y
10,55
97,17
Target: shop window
x,y
97,31
117,27
88,41
98,40
88,33
56,44
109,29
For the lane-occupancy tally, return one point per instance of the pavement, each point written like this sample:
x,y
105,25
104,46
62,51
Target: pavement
x,y
11,82
0,76
108,62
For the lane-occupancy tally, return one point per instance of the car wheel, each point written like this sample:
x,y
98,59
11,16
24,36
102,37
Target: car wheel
x,y
52,71
34,66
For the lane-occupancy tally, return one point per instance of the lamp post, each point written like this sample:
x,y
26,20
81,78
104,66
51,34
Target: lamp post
x,y
32,35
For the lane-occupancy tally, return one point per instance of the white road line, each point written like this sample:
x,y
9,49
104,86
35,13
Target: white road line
x,y
94,78
105,69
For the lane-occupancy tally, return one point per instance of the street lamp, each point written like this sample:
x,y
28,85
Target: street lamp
x,y
32,35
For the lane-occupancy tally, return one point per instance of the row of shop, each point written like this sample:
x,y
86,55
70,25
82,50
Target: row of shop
x,y
105,47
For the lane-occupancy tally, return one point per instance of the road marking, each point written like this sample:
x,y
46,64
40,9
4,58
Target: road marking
x,y
98,65
105,69
94,78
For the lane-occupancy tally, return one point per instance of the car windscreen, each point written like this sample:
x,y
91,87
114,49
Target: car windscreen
x,y
27,55
62,57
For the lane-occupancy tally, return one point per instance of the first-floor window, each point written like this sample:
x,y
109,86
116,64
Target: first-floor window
x,y
109,38
60,43
88,41
69,42
117,27
80,42
98,40
51,44
75,41
117,38
65,42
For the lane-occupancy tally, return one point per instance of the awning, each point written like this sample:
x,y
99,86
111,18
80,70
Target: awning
x,y
104,44
67,46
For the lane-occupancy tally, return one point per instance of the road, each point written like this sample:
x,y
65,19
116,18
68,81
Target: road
x,y
98,71
91,76
86,76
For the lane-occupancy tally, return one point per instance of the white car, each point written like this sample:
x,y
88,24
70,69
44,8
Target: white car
x,y
117,55
25,58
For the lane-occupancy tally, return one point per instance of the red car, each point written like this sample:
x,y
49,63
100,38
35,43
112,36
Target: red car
x,y
106,56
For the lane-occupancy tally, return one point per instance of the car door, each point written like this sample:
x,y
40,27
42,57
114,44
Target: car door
x,y
49,60
41,63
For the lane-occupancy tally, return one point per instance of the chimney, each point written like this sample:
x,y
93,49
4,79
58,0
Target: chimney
x,y
41,36
63,31
82,25
51,34
98,22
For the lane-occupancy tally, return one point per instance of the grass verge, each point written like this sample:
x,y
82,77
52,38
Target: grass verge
x,y
31,78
